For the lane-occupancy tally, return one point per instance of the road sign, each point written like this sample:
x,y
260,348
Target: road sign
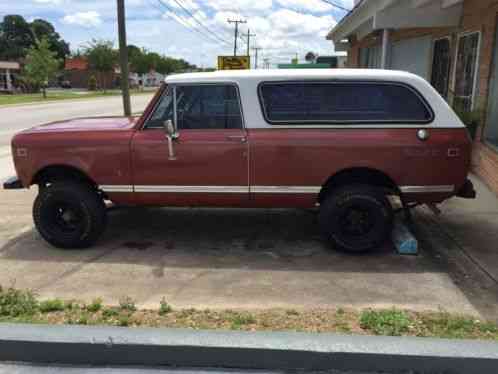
x,y
234,62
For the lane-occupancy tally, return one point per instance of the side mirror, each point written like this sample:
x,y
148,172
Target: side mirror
x,y
171,135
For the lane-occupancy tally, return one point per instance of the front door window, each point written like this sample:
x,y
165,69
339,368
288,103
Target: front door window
x,y
465,72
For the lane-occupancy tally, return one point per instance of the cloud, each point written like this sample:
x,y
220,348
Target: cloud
x,y
51,2
85,19
316,6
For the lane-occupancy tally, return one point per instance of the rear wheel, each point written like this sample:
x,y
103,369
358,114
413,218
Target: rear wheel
x,y
356,218
69,214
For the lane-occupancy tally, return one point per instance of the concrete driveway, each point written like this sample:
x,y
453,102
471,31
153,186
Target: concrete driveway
x,y
219,258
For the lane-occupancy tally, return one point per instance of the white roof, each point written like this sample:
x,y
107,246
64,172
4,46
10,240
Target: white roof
x,y
248,81
292,74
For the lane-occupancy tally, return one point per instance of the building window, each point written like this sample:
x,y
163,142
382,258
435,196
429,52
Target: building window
x,y
441,61
370,57
466,71
311,103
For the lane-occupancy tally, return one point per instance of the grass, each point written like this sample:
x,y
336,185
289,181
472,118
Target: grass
x,y
61,95
24,307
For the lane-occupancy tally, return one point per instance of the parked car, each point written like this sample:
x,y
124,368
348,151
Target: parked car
x,y
66,84
341,140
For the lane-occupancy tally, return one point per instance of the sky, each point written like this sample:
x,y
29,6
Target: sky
x,y
282,27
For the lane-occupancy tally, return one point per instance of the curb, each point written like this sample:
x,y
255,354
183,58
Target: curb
x,y
75,345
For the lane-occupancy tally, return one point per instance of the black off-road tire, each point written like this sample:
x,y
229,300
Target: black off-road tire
x,y
338,223
87,214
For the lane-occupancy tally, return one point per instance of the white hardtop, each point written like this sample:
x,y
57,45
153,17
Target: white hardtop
x,y
248,81
292,74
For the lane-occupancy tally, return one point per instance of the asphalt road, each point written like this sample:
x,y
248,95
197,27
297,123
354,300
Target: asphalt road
x,y
16,118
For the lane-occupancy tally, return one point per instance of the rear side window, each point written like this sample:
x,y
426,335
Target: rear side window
x,y
342,103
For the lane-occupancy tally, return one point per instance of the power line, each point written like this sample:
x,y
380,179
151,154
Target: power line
x,y
337,5
200,23
182,21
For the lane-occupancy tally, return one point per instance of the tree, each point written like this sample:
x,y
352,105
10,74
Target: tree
x,y
310,57
44,29
102,57
15,38
41,65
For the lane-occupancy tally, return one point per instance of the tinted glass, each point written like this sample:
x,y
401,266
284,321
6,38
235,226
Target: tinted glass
x,y
342,102
208,107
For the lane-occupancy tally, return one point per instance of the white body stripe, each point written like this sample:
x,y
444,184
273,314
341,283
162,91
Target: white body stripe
x,y
254,189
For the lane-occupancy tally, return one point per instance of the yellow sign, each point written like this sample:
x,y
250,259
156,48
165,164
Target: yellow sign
x,y
234,62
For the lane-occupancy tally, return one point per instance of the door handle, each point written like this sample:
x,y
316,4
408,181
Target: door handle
x,y
237,138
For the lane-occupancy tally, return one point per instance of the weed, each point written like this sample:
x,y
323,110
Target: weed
x,y
110,312
292,312
53,305
14,303
164,307
95,305
124,320
385,322
238,320
128,304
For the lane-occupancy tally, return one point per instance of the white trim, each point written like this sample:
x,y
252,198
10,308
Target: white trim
x,y
254,189
286,189
194,189
116,188
476,72
427,189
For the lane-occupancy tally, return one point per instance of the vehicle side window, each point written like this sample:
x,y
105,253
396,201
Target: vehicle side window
x,y
343,103
208,107
163,110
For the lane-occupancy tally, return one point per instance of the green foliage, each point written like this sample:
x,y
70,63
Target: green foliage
x,y
54,305
110,312
142,61
92,83
240,319
164,307
95,305
102,57
41,65
124,320
128,304
453,327
17,36
385,322
15,303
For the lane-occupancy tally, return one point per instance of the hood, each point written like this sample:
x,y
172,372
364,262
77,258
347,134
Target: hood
x,y
86,124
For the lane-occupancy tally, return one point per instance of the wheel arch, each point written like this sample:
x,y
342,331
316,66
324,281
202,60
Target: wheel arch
x,y
57,172
358,175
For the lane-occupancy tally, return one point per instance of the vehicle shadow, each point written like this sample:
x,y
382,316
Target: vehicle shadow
x,y
281,239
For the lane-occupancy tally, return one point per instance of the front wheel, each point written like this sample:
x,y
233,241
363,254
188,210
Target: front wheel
x,y
69,215
356,218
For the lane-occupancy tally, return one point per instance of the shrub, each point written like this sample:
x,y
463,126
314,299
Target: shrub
x,y
55,305
92,83
95,305
128,304
164,307
385,322
14,303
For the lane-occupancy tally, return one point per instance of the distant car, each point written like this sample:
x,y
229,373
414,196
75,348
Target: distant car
x,y
340,140
66,84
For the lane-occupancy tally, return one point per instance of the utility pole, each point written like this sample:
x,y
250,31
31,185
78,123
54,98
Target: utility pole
x,y
267,63
123,58
256,49
236,33
249,35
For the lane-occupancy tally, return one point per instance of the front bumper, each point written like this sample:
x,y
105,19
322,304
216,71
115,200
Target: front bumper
x,y
13,183
467,191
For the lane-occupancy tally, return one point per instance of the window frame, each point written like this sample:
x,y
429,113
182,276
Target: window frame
x,y
173,87
347,123
476,72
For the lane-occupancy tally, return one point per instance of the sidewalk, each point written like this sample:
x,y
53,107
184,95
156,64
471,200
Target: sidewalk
x,y
465,235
